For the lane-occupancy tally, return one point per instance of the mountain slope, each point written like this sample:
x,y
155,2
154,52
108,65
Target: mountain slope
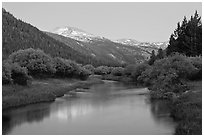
x,y
104,49
147,46
122,51
75,33
71,43
17,34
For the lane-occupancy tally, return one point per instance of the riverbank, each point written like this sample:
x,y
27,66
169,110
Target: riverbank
x,y
80,114
43,90
187,110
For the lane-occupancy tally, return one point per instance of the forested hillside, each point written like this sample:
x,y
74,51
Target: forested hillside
x,y
17,34
104,49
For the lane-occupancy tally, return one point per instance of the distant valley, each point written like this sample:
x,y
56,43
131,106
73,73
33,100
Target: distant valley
x,y
73,43
122,51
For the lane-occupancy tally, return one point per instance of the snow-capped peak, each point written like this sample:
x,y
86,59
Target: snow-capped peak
x,y
76,34
132,42
127,41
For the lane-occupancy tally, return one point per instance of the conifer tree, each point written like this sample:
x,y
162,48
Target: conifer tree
x,y
160,54
187,38
152,58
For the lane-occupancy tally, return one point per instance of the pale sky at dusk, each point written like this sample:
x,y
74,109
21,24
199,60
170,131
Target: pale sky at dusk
x,y
140,21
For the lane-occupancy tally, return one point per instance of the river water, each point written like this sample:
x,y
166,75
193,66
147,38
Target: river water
x,y
111,108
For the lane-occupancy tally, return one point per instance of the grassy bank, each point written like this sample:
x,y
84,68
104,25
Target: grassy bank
x,y
40,91
186,107
187,110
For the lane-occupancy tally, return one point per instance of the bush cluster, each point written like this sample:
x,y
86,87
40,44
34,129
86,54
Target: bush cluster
x,y
14,73
89,67
197,63
64,67
82,73
6,73
169,74
117,71
102,70
129,69
36,61
138,71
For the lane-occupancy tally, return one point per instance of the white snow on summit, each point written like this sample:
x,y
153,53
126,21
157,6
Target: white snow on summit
x,y
132,42
76,34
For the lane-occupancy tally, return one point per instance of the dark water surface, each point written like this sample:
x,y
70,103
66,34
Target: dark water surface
x,y
110,108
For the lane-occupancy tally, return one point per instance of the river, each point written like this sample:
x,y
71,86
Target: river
x,y
111,108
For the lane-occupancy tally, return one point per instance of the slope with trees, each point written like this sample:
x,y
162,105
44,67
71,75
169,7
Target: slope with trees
x,y
187,38
17,34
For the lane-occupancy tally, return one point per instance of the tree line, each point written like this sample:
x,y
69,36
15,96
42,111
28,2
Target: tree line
x,y
186,39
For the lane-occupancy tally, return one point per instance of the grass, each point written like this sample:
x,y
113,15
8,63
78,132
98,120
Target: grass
x,y
40,91
187,110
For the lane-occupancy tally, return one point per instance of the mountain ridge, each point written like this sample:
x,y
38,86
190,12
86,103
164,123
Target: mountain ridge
x,y
17,35
81,35
105,50
69,44
76,33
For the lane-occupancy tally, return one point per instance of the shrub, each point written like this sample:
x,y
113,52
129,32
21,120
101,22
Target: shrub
x,y
102,70
145,78
129,69
89,67
167,81
64,68
78,70
82,73
110,69
182,65
19,75
13,73
138,70
6,73
68,68
36,61
117,71
197,63
166,85
179,63
168,75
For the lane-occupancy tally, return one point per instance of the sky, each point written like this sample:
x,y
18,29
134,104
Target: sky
x,y
145,22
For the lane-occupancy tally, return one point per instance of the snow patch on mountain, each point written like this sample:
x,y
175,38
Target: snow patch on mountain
x,y
112,56
80,44
76,34
127,41
132,42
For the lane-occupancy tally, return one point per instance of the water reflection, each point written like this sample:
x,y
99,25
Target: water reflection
x,y
29,114
6,125
110,108
70,110
161,111
160,108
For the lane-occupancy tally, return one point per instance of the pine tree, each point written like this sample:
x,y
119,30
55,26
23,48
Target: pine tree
x,y
160,54
152,58
187,38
